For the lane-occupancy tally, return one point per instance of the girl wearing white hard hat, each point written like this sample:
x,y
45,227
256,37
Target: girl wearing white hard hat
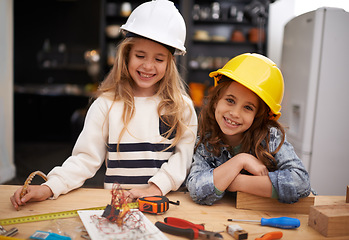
x,y
142,123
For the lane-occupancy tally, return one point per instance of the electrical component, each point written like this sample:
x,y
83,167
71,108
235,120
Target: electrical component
x,y
237,232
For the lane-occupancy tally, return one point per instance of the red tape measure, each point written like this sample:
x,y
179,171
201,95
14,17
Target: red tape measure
x,y
154,204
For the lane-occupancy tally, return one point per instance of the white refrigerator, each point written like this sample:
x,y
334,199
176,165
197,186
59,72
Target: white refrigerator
x,y
315,108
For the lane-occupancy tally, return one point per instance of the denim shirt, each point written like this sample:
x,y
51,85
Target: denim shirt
x,y
290,180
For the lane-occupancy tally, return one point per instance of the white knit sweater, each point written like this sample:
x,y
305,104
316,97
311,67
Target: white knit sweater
x,y
140,159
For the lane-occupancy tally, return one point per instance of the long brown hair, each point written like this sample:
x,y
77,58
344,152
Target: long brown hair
x,y
119,86
253,139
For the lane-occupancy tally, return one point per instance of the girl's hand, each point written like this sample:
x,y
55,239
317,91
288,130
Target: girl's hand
x,y
253,165
34,193
136,193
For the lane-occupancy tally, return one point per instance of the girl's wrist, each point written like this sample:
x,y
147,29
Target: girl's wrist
x,y
48,191
235,185
241,160
154,190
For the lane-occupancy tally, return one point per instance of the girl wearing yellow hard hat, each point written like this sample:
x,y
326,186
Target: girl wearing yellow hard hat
x,y
241,146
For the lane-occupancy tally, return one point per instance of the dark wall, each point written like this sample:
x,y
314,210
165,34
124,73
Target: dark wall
x,y
73,24
67,28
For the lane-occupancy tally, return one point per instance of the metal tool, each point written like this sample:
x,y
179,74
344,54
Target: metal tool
x,y
9,233
271,236
281,222
184,228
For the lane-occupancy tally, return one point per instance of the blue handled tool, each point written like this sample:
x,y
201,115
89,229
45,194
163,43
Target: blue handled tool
x,y
281,222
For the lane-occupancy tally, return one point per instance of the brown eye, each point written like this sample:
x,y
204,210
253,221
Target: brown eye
x,y
230,100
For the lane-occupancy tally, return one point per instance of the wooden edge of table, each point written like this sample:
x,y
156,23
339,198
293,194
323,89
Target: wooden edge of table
x,y
215,216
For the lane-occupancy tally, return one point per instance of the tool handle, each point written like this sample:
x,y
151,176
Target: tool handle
x,y
183,232
270,236
183,223
281,222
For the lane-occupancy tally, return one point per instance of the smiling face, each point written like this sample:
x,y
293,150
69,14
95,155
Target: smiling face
x,y
147,65
235,112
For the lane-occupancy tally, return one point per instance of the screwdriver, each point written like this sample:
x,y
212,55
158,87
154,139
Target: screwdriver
x,y
281,222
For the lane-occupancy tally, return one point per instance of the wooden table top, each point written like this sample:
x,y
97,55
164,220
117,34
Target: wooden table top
x,y
214,217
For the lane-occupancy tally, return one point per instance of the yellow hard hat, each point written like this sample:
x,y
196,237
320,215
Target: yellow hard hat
x,y
259,74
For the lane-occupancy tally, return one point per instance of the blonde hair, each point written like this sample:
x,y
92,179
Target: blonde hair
x,y
170,89
252,141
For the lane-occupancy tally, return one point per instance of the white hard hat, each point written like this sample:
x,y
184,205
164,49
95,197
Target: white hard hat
x,y
160,21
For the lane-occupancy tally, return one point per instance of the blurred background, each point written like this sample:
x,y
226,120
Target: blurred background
x,y
54,53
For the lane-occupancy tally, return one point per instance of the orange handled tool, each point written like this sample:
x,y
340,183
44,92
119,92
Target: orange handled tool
x,y
271,235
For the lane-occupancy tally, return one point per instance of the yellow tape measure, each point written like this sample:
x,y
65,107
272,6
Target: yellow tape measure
x,y
51,216
9,238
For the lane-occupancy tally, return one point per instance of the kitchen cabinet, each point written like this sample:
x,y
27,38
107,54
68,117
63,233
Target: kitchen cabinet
x,y
218,31
114,14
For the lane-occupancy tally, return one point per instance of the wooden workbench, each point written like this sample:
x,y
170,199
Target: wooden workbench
x,y
215,217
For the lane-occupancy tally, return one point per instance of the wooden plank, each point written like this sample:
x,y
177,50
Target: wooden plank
x,y
253,202
330,220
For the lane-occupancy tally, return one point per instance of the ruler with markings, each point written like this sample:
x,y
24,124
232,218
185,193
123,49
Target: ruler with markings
x,y
44,217
51,216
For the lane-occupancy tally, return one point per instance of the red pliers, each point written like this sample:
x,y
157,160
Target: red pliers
x,y
184,228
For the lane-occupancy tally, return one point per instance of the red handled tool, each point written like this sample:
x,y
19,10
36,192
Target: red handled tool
x,y
183,228
271,236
